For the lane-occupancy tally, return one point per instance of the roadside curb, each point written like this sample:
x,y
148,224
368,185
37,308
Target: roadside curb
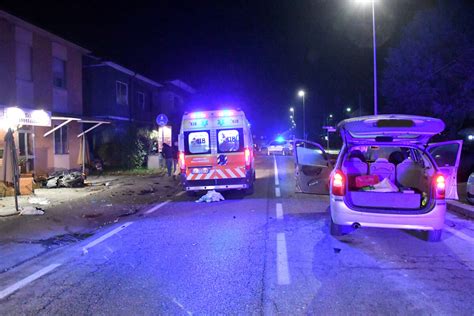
x,y
461,208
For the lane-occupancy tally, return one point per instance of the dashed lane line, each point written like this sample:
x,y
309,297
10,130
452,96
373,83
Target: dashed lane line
x,y
157,207
277,192
275,168
18,285
86,248
180,193
283,272
279,211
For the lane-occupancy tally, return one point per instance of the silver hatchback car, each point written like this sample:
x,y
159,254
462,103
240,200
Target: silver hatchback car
x,y
386,175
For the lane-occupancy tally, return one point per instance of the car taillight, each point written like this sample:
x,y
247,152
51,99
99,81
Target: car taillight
x,y
182,163
439,186
338,183
247,154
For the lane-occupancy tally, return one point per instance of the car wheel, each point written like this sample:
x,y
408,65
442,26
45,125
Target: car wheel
x,y
339,230
434,235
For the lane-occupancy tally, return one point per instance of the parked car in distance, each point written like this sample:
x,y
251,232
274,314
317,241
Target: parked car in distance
x,y
470,189
283,148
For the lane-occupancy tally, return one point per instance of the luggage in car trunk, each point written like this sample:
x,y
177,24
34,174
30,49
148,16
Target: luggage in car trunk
x,y
392,200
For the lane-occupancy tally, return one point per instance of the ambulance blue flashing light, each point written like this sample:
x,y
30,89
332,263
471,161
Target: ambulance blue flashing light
x,y
280,139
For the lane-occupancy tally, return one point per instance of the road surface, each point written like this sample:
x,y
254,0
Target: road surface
x,y
269,253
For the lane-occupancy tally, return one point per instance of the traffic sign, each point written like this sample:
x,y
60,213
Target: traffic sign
x,y
161,119
329,128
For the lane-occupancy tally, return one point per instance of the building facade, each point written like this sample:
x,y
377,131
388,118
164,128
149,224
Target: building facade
x,y
39,70
129,99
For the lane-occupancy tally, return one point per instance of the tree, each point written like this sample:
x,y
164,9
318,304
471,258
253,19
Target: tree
x,y
431,71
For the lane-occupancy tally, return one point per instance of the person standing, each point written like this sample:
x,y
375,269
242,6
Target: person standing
x,y
167,154
175,158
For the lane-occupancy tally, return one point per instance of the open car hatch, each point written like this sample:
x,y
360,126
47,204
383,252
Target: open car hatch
x,y
395,128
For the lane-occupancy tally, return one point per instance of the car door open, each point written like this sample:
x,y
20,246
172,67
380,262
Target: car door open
x,y
312,167
447,155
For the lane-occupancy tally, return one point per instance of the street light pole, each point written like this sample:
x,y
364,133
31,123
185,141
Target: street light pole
x,y
304,120
301,94
375,58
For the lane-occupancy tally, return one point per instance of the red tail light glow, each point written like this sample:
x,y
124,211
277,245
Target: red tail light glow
x,y
439,186
247,154
338,183
182,163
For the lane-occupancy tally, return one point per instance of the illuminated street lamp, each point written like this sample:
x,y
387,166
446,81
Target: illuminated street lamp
x,y
301,94
348,109
292,110
374,37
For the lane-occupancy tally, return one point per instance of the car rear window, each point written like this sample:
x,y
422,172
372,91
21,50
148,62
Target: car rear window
x,y
197,142
229,140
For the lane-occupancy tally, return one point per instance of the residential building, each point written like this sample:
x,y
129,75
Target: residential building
x,y
118,93
39,70
127,98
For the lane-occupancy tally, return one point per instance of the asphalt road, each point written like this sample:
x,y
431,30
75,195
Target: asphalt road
x,y
269,253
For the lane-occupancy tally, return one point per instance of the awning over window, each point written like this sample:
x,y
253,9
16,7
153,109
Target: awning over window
x,y
80,119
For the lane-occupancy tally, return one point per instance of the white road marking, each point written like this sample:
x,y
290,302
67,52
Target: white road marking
x,y
275,168
180,193
283,273
86,248
277,192
279,211
181,306
156,207
18,285
459,234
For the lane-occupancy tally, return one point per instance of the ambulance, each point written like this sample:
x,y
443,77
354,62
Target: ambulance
x,y
216,151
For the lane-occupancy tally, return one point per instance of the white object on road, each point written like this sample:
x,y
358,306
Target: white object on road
x,y
211,196
31,210
38,200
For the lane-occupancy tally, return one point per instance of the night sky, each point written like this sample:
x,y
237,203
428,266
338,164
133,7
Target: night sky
x,y
248,54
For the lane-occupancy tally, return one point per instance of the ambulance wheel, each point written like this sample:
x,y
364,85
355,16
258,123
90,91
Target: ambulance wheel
x,y
191,193
250,190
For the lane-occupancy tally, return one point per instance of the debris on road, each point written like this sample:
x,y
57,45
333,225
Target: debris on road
x,y
30,210
211,196
65,179
38,200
